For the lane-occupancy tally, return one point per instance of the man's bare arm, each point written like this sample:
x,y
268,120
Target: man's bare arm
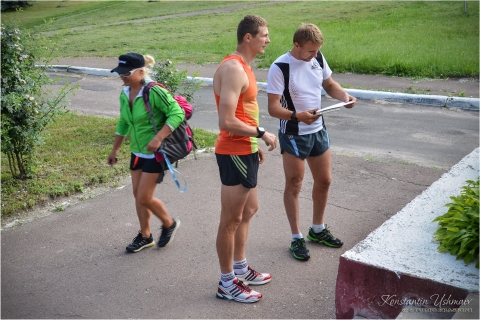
x,y
335,91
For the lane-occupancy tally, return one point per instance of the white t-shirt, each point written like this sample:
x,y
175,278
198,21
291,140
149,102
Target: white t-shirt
x,y
304,87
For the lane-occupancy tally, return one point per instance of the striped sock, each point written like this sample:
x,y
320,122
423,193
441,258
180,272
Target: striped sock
x,y
227,279
240,267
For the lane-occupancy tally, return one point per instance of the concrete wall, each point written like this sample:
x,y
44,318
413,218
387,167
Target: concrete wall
x,y
399,260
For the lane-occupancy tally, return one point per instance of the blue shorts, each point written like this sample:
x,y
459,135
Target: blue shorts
x,y
235,170
303,146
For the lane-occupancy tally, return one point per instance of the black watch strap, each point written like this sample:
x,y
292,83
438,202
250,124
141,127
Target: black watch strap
x,y
260,132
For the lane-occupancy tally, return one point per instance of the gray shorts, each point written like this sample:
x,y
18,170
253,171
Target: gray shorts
x,y
308,145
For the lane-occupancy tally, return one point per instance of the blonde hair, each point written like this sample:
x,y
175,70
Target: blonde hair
x,y
149,63
308,32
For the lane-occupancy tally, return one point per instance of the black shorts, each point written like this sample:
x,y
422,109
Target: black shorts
x,y
148,166
303,146
235,170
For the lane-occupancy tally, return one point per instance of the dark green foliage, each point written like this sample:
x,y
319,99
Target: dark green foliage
x,y
26,106
458,232
11,5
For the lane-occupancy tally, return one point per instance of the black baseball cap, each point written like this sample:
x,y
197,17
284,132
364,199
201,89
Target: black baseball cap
x,y
129,61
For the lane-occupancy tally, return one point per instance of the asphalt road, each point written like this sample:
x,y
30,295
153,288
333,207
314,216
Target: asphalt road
x,y
426,136
72,264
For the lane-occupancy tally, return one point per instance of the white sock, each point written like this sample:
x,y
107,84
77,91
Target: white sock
x,y
297,236
318,227
227,279
240,267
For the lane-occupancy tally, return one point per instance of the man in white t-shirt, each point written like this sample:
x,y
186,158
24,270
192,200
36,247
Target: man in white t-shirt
x,y
295,81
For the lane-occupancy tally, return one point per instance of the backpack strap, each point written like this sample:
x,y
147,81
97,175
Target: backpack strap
x,y
159,154
148,106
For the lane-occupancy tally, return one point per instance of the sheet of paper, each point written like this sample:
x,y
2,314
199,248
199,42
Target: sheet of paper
x,y
335,107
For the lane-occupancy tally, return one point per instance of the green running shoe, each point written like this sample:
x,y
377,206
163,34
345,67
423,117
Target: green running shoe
x,y
324,237
299,249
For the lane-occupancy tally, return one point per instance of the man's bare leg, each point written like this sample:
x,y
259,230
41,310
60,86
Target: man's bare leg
x,y
233,199
320,166
294,169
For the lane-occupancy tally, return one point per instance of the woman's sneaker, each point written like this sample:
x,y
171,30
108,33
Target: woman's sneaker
x,y
140,242
324,237
252,277
168,233
238,291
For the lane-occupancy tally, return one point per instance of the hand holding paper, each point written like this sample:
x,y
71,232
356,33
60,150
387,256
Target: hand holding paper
x,y
335,107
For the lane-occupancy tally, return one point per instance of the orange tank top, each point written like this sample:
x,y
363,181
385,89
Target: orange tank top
x,y
247,111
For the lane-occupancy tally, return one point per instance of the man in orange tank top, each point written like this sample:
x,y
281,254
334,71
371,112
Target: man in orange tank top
x,y
238,157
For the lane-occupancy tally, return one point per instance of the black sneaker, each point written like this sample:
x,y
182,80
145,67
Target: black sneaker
x,y
140,242
167,233
299,249
324,237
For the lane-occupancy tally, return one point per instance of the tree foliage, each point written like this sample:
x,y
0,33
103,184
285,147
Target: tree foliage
x,y
8,5
27,106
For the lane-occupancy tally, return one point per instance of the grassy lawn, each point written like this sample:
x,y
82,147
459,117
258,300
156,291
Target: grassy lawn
x,y
401,38
72,158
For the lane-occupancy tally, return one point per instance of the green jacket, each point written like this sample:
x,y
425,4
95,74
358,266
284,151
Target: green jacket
x,y
137,122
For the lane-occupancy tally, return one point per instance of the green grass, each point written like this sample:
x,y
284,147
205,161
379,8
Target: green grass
x,y
73,158
401,38
67,14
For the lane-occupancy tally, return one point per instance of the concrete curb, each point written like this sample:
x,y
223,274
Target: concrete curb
x,y
400,258
470,104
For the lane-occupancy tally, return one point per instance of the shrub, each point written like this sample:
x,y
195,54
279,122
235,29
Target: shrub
x,y
458,232
26,105
167,73
12,5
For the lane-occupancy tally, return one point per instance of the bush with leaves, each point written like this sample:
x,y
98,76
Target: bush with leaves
x,y
458,232
26,104
12,5
167,73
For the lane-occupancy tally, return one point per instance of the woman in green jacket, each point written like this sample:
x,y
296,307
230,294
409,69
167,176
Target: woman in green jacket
x,y
135,121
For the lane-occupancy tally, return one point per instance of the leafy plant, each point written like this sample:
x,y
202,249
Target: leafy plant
x,y
27,106
14,5
458,232
167,73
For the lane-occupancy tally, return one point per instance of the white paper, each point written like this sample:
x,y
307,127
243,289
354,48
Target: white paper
x,y
335,107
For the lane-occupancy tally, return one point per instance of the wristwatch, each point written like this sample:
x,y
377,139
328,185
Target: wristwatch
x,y
294,116
260,131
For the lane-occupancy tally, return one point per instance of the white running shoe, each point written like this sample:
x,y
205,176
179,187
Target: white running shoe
x,y
254,278
238,291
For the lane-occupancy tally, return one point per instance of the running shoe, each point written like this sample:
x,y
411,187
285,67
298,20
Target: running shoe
x,y
140,242
168,233
252,277
299,249
238,291
324,237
